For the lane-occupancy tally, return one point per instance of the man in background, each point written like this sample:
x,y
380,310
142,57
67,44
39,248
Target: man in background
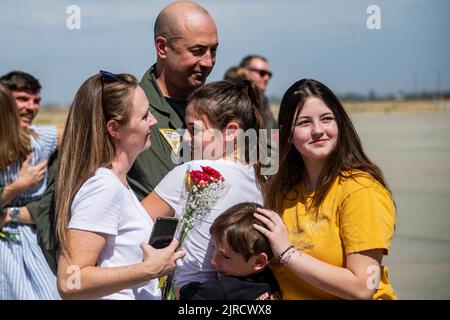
x,y
26,90
259,72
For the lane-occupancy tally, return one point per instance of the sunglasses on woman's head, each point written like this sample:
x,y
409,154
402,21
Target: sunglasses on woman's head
x,y
107,76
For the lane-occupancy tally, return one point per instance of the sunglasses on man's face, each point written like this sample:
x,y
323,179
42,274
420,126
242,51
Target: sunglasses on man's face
x,y
262,73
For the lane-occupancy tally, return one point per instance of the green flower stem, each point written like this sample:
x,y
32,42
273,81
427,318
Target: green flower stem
x,y
8,236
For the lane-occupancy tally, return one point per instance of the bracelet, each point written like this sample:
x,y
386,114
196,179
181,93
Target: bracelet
x,y
285,261
287,256
285,251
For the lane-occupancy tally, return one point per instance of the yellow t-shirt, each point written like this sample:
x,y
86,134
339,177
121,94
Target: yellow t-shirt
x,y
357,214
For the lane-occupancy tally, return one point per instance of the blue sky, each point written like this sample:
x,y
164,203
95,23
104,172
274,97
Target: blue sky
x,y
325,40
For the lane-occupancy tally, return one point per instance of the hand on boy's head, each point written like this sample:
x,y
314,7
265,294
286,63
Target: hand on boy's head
x,y
274,230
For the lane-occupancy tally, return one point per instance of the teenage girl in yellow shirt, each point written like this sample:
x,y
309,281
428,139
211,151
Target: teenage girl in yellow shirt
x,y
336,214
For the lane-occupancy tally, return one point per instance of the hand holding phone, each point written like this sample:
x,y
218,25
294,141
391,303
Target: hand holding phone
x,y
163,232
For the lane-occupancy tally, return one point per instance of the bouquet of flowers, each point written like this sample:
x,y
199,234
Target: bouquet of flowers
x,y
9,236
202,190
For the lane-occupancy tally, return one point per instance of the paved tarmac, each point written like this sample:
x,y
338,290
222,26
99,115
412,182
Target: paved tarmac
x,y
413,150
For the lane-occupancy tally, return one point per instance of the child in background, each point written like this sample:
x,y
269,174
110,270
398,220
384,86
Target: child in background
x,y
240,257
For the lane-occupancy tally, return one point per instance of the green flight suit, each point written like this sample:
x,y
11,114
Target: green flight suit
x,y
153,164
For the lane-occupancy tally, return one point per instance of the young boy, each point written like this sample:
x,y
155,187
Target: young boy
x,y
240,257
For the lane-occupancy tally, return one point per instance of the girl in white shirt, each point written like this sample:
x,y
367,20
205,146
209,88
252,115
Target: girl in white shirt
x,y
218,115
102,228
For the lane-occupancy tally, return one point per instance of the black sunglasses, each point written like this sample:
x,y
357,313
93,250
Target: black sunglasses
x,y
262,73
107,76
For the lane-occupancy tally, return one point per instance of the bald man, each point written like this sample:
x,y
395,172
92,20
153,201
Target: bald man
x,y
185,37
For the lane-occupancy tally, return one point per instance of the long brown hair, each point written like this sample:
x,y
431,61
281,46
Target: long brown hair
x,y
348,154
15,140
225,101
86,144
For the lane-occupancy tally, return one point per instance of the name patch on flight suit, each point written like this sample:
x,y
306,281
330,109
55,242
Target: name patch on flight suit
x,y
173,139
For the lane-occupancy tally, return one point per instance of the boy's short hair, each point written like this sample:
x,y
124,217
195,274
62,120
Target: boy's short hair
x,y
235,228
21,81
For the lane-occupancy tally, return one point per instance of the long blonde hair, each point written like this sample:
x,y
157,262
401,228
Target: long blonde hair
x,y
15,140
86,144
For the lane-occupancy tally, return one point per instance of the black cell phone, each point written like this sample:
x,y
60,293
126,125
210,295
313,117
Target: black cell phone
x,y
163,232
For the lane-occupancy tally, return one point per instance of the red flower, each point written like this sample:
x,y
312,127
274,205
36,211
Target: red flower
x,y
205,176
212,173
197,176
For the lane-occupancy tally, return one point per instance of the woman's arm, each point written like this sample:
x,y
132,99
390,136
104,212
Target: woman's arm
x,y
29,176
80,278
24,217
357,280
157,207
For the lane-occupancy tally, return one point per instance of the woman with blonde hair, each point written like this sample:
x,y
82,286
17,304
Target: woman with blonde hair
x,y
334,214
102,228
24,273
